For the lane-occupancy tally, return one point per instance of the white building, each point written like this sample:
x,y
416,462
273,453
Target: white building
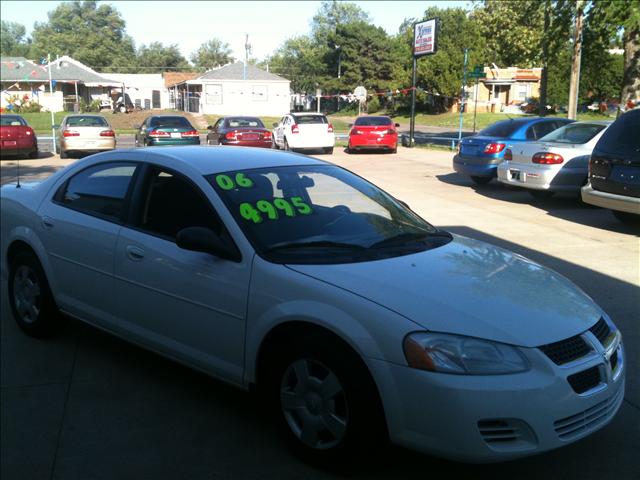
x,y
146,90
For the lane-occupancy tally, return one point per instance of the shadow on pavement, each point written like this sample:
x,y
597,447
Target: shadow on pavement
x,y
567,206
28,173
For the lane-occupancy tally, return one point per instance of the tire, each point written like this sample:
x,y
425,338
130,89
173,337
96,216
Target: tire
x,y
286,145
541,194
328,150
480,180
626,217
34,154
326,403
64,154
394,150
122,109
30,297
274,144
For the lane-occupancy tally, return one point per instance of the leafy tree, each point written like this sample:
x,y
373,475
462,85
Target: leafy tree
x,y
94,35
156,58
12,40
331,14
211,54
302,61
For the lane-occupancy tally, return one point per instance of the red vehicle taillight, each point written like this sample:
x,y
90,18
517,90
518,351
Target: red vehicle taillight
x,y
107,133
191,133
508,154
266,135
230,135
547,158
29,131
391,131
70,133
295,128
494,147
355,132
159,133
330,128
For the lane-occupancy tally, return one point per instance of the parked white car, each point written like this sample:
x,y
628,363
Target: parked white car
x,y
356,319
558,162
304,131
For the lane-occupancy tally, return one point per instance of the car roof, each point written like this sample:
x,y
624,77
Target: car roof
x,y
306,114
215,159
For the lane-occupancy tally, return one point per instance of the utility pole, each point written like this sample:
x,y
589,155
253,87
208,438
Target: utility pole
x,y
574,86
545,57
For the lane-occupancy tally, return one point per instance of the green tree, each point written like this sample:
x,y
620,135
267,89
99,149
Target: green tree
x,y
156,58
211,54
94,35
331,14
300,60
13,42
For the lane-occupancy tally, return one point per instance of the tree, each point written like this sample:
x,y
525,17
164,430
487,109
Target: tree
x,y
331,14
211,54
12,40
302,61
90,34
156,58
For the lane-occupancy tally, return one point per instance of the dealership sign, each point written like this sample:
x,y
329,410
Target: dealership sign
x,y
425,37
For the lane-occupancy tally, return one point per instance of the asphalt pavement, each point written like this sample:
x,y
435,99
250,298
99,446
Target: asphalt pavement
x,y
87,405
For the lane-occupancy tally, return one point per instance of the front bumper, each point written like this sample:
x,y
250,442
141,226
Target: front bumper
x,y
610,200
474,166
484,419
555,178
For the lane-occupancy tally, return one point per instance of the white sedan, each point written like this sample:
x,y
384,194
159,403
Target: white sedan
x,y
356,319
558,162
304,131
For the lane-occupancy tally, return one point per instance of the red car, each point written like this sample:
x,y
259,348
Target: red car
x,y
17,137
374,133
239,131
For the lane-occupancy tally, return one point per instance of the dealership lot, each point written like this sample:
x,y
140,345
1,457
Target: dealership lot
x,y
87,405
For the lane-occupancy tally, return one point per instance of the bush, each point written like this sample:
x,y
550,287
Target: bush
x,y
373,105
94,106
31,107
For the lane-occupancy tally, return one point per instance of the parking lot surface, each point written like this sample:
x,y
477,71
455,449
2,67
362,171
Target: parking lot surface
x,y
87,405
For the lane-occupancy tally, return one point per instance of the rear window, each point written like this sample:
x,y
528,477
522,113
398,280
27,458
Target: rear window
x,y
623,136
505,128
310,119
372,121
12,120
577,133
245,122
170,122
87,122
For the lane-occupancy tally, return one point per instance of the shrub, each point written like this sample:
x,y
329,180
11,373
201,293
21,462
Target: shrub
x,y
373,105
93,106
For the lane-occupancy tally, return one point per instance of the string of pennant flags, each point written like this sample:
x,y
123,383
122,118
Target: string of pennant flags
x,y
388,93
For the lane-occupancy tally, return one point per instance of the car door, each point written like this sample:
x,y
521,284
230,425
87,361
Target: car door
x,y
79,227
188,305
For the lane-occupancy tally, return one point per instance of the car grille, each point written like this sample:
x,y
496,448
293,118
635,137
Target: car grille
x,y
614,361
581,423
586,380
567,350
601,331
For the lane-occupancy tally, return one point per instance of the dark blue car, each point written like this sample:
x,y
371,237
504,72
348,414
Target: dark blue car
x,y
479,156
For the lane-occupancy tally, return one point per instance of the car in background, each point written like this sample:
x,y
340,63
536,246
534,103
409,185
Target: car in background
x,y
371,132
84,133
166,130
17,137
304,131
614,169
355,320
478,156
240,132
558,162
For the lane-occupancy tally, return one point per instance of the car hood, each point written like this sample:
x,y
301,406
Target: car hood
x,y
469,287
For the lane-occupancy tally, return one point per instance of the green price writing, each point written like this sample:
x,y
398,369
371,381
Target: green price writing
x,y
225,182
272,209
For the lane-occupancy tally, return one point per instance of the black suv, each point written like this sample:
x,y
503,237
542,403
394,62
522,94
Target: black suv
x,y
614,169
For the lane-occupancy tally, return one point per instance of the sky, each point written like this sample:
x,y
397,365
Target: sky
x,y
190,24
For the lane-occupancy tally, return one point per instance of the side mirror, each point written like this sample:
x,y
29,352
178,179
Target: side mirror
x,y
403,203
274,124
201,239
55,126
137,127
209,127
397,125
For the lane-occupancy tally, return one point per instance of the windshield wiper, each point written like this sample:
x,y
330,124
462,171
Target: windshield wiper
x,y
408,237
316,244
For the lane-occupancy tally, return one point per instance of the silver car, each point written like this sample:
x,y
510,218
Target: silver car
x,y
558,162
84,134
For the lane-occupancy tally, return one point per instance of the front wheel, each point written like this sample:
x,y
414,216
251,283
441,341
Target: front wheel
x,y
480,180
286,145
325,400
30,297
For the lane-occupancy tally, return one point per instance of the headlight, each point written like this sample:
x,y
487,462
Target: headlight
x,y
440,352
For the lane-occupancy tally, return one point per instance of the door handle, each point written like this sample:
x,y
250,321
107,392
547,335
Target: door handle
x,y
47,222
134,253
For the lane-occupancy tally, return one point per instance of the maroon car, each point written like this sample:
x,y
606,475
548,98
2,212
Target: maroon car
x,y
239,131
17,137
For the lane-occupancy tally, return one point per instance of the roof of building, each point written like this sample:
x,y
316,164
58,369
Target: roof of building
x,y
236,71
63,69
172,78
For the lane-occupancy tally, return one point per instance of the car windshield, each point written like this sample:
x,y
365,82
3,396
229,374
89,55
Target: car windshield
x,y
310,119
372,121
88,121
12,120
576,133
321,214
245,122
502,129
170,122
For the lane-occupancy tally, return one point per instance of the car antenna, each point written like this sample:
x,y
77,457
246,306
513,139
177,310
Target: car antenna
x,y
18,174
